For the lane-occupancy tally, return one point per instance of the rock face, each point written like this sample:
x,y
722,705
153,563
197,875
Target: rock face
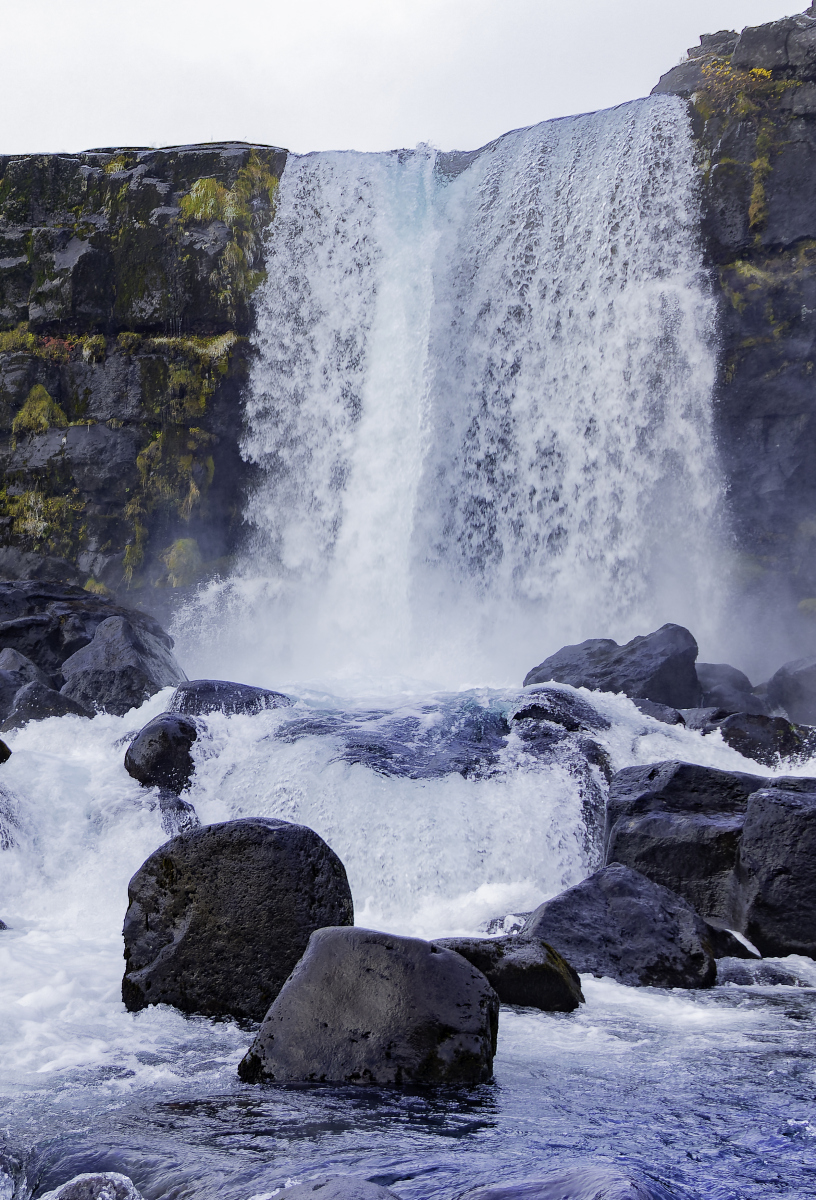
x,y
777,871
620,924
126,280
219,916
197,697
578,1181
367,1007
658,667
159,755
522,971
123,666
103,1185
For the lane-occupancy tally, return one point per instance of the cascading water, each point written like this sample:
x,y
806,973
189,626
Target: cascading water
x,y
481,416
482,406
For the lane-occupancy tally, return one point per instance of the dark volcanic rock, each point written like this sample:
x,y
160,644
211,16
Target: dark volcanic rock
x,y
177,815
561,707
725,944
102,1185
680,824
197,697
122,667
578,1181
13,661
3,925
660,712
219,916
368,1007
339,1187
522,971
657,667
759,972
793,688
777,870
34,702
159,755
618,923
767,739
728,689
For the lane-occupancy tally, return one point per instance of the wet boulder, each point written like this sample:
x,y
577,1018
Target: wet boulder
x,y
124,665
680,825
777,870
793,688
758,973
766,740
725,943
218,916
35,702
619,924
339,1187
12,660
369,1007
577,1181
522,971
657,667
159,755
560,707
96,1185
659,712
728,689
197,697
177,815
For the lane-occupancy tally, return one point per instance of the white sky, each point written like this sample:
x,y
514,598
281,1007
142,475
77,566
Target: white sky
x,y
332,74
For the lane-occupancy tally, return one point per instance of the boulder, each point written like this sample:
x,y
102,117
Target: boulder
x,y
764,739
725,943
123,666
578,1181
657,667
159,755
12,660
619,924
561,707
5,753
759,972
368,1007
703,719
35,702
102,1185
728,689
338,1187
777,870
659,712
680,825
793,688
197,697
521,971
218,916
177,815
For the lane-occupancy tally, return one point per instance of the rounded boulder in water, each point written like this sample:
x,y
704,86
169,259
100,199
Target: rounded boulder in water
x,y
219,915
580,1182
197,697
369,1007
101,1185
522,971
159,755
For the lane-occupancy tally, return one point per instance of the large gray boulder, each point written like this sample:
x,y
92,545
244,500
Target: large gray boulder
x,y
619,924
368,1007
793,688
578,1181
159,755
35,702
197,697
124,665
95,1185
522,971
219,916
338,1187
657,667
777,871
728,689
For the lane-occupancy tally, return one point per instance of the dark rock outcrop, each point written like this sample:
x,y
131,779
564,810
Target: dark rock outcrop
x,y
724,943
777,870
793,688
197,697
522,971
729,690
35,702
219,916
657,667
101,1185
368,1007
759,973
159,755
620,924
766,739
123,666
659,712
578,1181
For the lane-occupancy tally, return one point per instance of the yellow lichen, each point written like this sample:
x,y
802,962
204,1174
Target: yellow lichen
x,y
39,413
183,561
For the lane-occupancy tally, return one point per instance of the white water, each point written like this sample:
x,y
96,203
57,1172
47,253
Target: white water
x,y
482,410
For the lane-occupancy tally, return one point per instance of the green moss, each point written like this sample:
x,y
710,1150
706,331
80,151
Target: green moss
x,y
94,348
39,413
183,561
176,470
19,340
96,588
49,524
129,343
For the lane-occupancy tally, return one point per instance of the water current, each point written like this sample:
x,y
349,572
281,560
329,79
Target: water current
x,y
481,418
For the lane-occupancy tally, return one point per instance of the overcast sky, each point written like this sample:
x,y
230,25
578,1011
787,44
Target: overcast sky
x,y
332,74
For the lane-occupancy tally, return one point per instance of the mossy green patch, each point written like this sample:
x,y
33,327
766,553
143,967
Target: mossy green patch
x,y
183,561
39,413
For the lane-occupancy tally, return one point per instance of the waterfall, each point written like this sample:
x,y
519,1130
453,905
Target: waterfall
x,y
481,408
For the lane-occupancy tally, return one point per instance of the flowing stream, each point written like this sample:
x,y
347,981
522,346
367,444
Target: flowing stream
x,y
481,418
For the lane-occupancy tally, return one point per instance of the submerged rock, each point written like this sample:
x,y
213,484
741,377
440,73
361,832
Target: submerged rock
x,y
579,1181
339,1187
34,702
101,1185
560,707
197,697
122,667
522,971
620,924
758,973
159,755
368,1007
657,667
218,916
177,815
660,712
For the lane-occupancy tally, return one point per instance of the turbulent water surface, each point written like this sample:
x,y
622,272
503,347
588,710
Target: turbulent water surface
x,y
481,414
